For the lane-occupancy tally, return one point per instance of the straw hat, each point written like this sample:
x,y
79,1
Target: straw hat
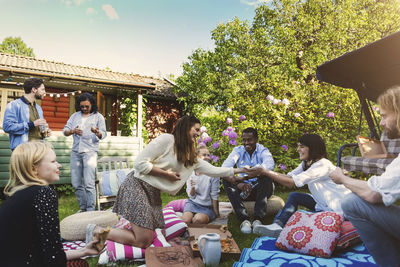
x,y
73,227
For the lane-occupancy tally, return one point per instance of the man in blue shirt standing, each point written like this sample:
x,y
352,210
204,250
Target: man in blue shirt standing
x,y
253,188
23,117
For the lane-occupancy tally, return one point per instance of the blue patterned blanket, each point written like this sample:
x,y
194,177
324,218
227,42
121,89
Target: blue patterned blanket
x,y
263,252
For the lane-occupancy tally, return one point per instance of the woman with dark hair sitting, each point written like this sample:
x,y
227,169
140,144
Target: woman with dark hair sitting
x,y
29,225
313,171
164,165
88,127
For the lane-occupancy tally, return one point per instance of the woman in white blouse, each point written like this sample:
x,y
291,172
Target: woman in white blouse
x,y
313,171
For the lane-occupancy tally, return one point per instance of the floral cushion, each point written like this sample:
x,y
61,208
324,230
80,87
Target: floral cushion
x,y
313,234
177,205
348,236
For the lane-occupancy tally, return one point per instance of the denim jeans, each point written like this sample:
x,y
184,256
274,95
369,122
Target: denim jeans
x,y
378,227
294,200
83,175
259,194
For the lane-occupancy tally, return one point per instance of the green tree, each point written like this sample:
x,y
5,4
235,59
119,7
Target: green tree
x,y
15,46
276,55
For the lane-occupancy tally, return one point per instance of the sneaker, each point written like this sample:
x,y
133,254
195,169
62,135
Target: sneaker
x,y
255,223
272,230
245,227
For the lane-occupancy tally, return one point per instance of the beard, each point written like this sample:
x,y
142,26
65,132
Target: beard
x,y
392,133
37,96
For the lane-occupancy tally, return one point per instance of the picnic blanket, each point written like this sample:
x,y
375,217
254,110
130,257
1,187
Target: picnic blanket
x,y
263,252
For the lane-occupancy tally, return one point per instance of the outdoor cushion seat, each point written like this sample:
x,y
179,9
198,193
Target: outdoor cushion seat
x,y
274,205
73,227
366,165
372,166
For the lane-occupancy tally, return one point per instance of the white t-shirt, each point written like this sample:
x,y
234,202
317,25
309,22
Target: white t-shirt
x,y
207,189
388,184
325,192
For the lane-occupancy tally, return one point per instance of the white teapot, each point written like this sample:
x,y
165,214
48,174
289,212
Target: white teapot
x,y
211,250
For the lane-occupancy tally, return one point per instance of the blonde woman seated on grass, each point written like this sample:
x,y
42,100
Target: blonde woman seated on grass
x,y
29,224
203,192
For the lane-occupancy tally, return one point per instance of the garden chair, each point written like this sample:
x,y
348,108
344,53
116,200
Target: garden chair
x,y
112,173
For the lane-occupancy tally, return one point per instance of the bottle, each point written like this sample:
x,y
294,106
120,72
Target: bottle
x,y
246,194
45,130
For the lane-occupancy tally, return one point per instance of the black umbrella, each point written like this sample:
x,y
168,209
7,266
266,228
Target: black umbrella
x,y
368,70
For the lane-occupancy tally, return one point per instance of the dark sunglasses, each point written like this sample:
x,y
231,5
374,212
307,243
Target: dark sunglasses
x,y
84,106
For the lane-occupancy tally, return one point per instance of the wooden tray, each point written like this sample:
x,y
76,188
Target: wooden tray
x,y
180,256
195,230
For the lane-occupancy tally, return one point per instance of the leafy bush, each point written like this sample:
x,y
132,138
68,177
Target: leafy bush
x,y
265,70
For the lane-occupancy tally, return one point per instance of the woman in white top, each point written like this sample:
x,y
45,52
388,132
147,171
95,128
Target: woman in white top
x,y
314,171
203,192
164,165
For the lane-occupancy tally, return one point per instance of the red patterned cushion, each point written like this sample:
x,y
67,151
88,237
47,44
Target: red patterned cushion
x,y
348,236
314,234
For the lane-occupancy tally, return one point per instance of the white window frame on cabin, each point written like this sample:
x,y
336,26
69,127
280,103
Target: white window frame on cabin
x,y
4,100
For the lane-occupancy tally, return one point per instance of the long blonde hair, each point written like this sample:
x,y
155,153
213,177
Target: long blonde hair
x,y
390,100
22,162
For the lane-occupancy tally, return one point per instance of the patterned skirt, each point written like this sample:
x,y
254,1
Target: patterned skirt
x,y
139,203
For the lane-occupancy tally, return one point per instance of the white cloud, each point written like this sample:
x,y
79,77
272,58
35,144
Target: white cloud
x,y
110,12
254,3
90,11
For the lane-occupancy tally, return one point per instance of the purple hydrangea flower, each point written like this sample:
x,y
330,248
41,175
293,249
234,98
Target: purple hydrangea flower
x,y
242,117
229,128
285,147
270,98
233,142
214,158
330,115
208,139
232,135
296,115
215,145
225,133
282,167
228,110
229,120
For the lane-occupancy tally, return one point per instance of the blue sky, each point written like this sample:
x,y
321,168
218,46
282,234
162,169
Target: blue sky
x,y
147,37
